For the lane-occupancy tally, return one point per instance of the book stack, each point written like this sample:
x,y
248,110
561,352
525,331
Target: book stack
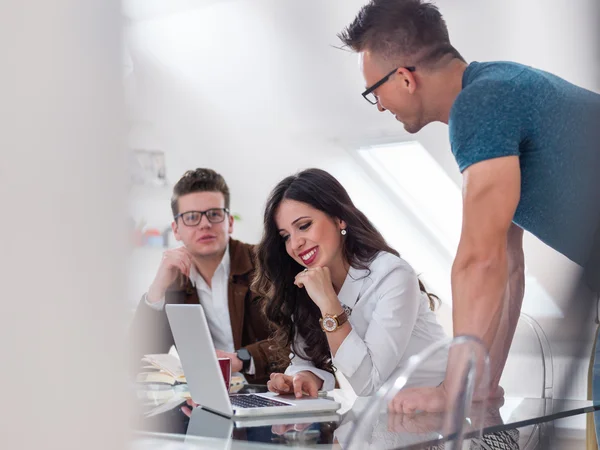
x,y
166,369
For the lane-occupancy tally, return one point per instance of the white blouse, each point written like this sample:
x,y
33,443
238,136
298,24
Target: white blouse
x,y
391,321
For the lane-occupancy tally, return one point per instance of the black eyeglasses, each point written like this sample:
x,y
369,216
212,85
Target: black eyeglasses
x,y
370,96
193,218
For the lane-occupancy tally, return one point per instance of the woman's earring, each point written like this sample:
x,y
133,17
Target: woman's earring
x,y
343,232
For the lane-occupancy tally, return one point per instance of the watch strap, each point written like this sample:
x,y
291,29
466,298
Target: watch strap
x,y
342,318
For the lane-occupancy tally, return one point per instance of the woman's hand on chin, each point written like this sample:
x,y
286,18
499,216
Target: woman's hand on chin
x,y
318,285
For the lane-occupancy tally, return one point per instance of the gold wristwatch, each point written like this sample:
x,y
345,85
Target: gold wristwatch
x,y
331,322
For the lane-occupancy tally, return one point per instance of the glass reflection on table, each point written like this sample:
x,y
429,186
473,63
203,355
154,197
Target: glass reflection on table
x,y
330,431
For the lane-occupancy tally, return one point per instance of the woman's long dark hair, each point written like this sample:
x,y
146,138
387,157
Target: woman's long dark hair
x,y
289,309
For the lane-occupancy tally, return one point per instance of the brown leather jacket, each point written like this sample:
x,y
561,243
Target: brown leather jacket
x,y
151,332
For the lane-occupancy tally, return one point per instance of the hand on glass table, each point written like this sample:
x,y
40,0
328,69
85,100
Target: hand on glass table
x,y
429,399
415,423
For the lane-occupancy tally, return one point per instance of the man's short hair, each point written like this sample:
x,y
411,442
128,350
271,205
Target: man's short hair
x,y
199,180
406,31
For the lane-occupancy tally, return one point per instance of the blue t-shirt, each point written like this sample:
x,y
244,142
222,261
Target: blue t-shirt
x,y
553,127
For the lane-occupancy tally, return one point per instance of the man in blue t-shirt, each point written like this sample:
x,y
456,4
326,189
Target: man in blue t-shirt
x,y
525,143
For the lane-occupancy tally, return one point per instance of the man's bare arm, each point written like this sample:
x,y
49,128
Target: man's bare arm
x,y
489,253
480,273
512,303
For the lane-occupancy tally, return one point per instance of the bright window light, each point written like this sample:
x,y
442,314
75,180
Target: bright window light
x,y
423,190
411,173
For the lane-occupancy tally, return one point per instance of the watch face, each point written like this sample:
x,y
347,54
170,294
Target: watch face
x,y
244,354
329,324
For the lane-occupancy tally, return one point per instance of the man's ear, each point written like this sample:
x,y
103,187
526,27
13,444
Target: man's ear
x,y
231,221
175,229
408,79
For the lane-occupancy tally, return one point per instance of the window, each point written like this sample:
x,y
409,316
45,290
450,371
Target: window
x,y
427,230
418,181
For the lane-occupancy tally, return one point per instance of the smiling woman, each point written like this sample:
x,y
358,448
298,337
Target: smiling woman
x,y
337,292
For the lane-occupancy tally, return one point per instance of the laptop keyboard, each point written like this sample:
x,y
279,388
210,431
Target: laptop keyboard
x,y
254,401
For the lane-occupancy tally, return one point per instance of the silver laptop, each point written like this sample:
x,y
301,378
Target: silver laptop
x,y
205,381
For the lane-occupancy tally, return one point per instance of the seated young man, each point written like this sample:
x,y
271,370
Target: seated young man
x,y
211,269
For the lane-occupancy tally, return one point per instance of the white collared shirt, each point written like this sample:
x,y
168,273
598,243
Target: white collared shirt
x,y
215,303
391,321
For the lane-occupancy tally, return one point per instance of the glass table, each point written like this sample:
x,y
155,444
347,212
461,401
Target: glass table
x,y
164,421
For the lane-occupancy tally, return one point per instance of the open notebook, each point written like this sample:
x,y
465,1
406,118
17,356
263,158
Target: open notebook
x,y
167,369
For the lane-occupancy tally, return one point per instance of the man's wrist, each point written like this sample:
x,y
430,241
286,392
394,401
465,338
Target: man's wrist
x,y
153,297
236,364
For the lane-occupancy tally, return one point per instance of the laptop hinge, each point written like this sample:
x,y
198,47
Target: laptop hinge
x,y
215,412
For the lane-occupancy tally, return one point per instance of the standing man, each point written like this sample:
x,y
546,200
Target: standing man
x,y
212,269
521,138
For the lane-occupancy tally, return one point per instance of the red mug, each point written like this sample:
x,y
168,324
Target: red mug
x,y
225,365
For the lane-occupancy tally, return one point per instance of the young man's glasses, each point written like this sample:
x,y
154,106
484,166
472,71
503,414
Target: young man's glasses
x,y
193,218
370,96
